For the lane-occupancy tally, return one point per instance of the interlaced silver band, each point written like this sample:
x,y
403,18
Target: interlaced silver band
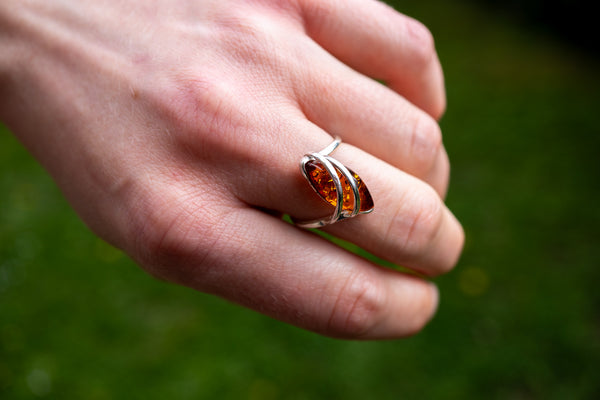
x,y
332,166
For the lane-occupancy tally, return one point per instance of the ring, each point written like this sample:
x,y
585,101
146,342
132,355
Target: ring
x,y
336,184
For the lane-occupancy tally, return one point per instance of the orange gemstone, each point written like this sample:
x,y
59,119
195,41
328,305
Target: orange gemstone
x,y
324,186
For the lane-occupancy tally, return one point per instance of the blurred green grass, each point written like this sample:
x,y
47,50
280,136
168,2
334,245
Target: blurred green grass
x,y
519,317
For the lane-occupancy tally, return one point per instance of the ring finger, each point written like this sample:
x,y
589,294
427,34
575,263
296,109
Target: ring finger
x,y
410,225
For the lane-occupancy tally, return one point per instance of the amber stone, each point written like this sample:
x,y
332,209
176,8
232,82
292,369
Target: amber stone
x,y
324,186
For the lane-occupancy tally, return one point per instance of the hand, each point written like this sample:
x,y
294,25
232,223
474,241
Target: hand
x,y
175,129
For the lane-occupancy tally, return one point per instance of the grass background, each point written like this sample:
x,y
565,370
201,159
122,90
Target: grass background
x,y
519,317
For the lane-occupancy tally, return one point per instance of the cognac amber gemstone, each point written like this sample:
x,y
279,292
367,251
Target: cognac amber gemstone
x,y
323,184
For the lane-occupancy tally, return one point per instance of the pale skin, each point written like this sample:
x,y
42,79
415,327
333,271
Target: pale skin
x,y
175,129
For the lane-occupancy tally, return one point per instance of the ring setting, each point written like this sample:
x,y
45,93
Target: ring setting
x,y
335,184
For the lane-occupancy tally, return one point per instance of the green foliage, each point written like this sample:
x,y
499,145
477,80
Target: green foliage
x,y
519,317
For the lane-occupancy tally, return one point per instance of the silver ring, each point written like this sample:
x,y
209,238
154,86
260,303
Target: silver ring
x,y
335,184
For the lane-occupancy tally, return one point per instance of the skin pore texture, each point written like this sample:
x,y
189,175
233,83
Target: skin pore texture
x,y
175,128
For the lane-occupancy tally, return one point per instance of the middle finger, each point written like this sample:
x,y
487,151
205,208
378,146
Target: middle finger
x,y
374,118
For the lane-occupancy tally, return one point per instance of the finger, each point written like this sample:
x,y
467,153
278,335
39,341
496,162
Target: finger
x,y
379,42
266,264
374,118
440,173
410,225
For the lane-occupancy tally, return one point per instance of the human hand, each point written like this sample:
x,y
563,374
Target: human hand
x,y
175,129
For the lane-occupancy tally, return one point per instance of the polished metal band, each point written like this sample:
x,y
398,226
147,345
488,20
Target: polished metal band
x,y
332,166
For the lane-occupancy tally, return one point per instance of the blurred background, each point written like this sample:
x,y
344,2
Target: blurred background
x,y
519,317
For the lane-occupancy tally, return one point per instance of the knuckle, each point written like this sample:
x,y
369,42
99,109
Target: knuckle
x,y
251,37
202,110
357,307
421,223
192,99
162,246
422,44
315,12
426,143
438,109
169,242
424,307
242,33
201,100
